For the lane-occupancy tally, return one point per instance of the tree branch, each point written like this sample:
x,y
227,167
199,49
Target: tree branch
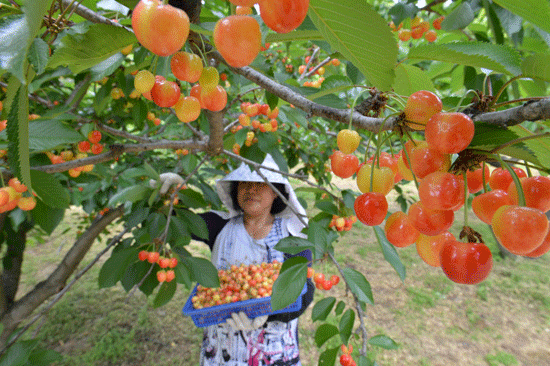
x,y
91,15
531,111
23,307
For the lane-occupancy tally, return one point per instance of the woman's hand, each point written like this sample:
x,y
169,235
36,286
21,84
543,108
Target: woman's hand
x,y
240,321
167,180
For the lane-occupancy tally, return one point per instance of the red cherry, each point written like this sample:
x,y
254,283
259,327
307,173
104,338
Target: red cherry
x,y
449,133
486,204
420,107
466,263
501,178
342,165
371,208
441,190
399,230
428,221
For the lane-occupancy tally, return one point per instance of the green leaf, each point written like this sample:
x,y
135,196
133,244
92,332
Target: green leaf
x,y
499,58
322,308
459,18
318,235
38,55
130,194
113,269
328,357
359,285
165,294
537,66
325,332
332,85
47,217
536,12
346,325
82,51
400,11
107,66
44,357
203,271
327,206
16,35
383,341
18,353
195,223
390,254
372,49
18,132
409,79
494,21
45,135
49,190
293,245
290,282
340,307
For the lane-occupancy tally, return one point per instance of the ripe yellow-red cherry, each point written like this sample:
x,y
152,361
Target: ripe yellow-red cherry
x,y
187,109
237,39
476,177
501,178
486,204
449,133
371,208
144,81
283,16
404,35
519,229
214,100
536,191
186,66
209,79
466,263
425,160
420,107
399,230
343,165
430,35
347,140
382,179
441,190
428,221
161,28
165,93
243,2
429,247
541,249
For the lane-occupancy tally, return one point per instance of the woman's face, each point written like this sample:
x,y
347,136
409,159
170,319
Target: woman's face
x,y
255,198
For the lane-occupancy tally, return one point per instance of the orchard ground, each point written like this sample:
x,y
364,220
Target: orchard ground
x,y
505,320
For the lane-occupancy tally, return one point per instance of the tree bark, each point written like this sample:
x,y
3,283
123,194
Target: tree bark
x,y
24,307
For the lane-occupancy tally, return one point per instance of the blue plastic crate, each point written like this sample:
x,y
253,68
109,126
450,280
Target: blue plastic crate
x,y
220,313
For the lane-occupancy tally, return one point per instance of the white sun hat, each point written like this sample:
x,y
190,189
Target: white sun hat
x,y
293,210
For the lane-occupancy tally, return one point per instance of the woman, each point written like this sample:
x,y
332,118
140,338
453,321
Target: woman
x,y
256,220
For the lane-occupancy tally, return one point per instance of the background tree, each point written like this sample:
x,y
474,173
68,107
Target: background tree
x,y
68,77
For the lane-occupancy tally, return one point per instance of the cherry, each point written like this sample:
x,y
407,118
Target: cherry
x,y
399,230
248,3
404,35
383,179
26,203
430,36
425,160
94,136
429,247
449,133
161,28
371,208
428,221
519,229
476,177
466,263
238,38
501,178
165,93
536,191
209,78
343,165
404,171
485,204
442,191
437,22
420,107
186,66
348,141
283,16
153,257
346,360
144,81
215,99
187,109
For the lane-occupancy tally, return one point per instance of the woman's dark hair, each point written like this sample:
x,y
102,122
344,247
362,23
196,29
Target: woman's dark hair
x,y
278,205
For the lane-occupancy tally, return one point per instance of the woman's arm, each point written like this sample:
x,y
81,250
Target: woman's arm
x,y
307,297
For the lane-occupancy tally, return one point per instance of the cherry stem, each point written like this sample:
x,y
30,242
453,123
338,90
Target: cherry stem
x,y
483,177
502,88
464,97
519,188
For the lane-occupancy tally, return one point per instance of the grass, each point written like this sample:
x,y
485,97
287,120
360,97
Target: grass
x,y
502,321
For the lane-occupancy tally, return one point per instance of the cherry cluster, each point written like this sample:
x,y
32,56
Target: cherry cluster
x,y
419,28
11,197
239,283
342,223
345,358
257,117
163,262
321,283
